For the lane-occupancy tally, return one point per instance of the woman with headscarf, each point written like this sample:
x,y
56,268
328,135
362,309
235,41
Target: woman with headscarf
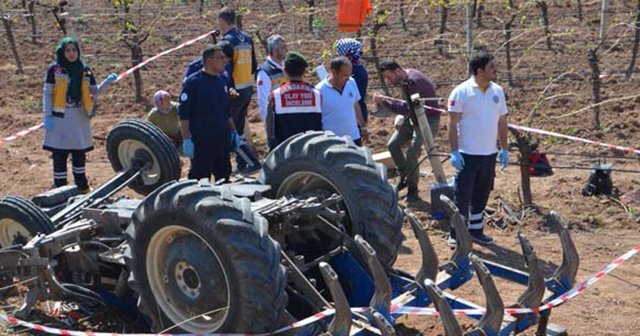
x,y
164,114
352,49
68,104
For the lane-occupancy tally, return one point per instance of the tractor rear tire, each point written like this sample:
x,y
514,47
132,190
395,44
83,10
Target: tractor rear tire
x,y
20,220
193,253
136,137
321,160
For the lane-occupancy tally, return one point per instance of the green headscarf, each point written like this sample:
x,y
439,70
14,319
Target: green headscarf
x,y
75,69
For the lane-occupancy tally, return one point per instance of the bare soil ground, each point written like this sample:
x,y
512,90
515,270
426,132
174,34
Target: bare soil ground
x,y
601,227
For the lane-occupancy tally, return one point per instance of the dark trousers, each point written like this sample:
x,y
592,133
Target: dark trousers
x,y
239,107
211,157
473,186
78,160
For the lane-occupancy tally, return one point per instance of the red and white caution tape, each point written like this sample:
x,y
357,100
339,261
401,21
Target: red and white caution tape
x,y
120,76
21,133
397,308
554,134
574,138
421,99
55,331
166,52
573,292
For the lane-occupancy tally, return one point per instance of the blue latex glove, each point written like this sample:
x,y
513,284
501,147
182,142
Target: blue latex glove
x,y
457,160
236,140
188,148
48,122
504,158
111,78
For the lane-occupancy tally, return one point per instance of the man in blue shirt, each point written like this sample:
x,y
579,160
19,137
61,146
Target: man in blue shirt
x,y
204,118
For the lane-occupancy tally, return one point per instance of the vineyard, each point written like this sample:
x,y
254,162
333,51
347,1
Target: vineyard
x,y
567,66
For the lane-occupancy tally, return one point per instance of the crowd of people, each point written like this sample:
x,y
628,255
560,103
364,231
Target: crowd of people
x,y
207,122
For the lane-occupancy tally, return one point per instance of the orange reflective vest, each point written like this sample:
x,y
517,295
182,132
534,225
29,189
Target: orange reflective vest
x,y
352,13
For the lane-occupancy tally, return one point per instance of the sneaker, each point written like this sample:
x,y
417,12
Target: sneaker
x,y
413,195
452,242
85,190
481,239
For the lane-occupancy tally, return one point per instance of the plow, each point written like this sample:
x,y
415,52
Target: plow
x,y
306,248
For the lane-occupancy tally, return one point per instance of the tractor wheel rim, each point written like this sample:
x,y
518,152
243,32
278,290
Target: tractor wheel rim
x,y
300,182
127,151
10,229
182,292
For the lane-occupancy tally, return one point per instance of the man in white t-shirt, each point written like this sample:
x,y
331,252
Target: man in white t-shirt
x,y
340,109
477,122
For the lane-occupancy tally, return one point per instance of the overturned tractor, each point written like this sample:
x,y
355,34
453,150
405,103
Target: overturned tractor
x,y
315,235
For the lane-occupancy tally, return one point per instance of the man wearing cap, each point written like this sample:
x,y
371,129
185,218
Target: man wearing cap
x,y
270,74
295,106
205,122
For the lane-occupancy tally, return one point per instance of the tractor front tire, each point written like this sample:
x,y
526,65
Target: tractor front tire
x,y
136,139
325,162
202,264
20,220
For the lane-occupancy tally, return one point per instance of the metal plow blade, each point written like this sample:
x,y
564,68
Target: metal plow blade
x,y
459,223
341,322
429,267
532,296
565,274
492,319
381,300
449,321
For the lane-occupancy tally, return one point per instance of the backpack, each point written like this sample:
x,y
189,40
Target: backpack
x,y
539,164
599,182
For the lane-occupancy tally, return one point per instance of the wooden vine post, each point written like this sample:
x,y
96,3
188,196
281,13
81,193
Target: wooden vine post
x,y
469,29
444,11
61,22
506,32
133,36
604,21
403,21
379,21
595,82
525,148
31,18
579,10
311,16
6,22
544,11
634,50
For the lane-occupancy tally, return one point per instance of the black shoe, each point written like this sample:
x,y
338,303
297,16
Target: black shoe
x,y
413,196
393,172
481,239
